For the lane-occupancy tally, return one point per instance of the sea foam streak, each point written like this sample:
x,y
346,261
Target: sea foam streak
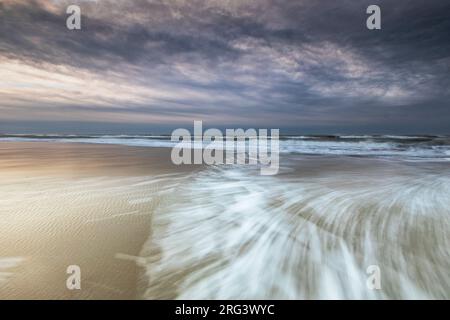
x,y
6,264
229,233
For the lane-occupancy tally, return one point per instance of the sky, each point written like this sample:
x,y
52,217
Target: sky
x,y
149,66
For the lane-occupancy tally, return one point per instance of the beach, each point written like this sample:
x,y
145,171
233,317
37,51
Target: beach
x,y
77,204
140,227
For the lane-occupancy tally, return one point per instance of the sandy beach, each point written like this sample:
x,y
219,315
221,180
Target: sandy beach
x,y
75,204
140,227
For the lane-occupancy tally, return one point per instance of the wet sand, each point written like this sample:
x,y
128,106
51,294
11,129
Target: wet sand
x,y
75,204
140,227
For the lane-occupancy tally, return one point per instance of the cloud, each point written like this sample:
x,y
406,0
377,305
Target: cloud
x,y
265,62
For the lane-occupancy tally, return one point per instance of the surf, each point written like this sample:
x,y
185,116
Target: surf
x,y
231,234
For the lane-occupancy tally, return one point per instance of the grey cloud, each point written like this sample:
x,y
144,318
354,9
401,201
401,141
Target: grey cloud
x,y
273,61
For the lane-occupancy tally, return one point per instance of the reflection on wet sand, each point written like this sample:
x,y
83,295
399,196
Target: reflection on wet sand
x,y
140,227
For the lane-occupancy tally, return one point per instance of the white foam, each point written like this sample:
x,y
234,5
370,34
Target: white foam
x,y
368,146
230,234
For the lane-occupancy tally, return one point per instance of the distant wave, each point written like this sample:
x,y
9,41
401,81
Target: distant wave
x,y
436,148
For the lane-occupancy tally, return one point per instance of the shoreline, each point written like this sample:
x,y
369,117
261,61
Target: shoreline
x,y
217,232
75,204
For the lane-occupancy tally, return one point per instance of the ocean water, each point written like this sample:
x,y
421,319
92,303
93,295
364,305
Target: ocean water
x,y
402,147
339,206
310,233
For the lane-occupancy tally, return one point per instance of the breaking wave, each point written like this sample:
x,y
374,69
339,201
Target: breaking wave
x,y
228,233
416,148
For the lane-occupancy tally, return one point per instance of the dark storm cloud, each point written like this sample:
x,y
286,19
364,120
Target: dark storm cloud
x,y
281,63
